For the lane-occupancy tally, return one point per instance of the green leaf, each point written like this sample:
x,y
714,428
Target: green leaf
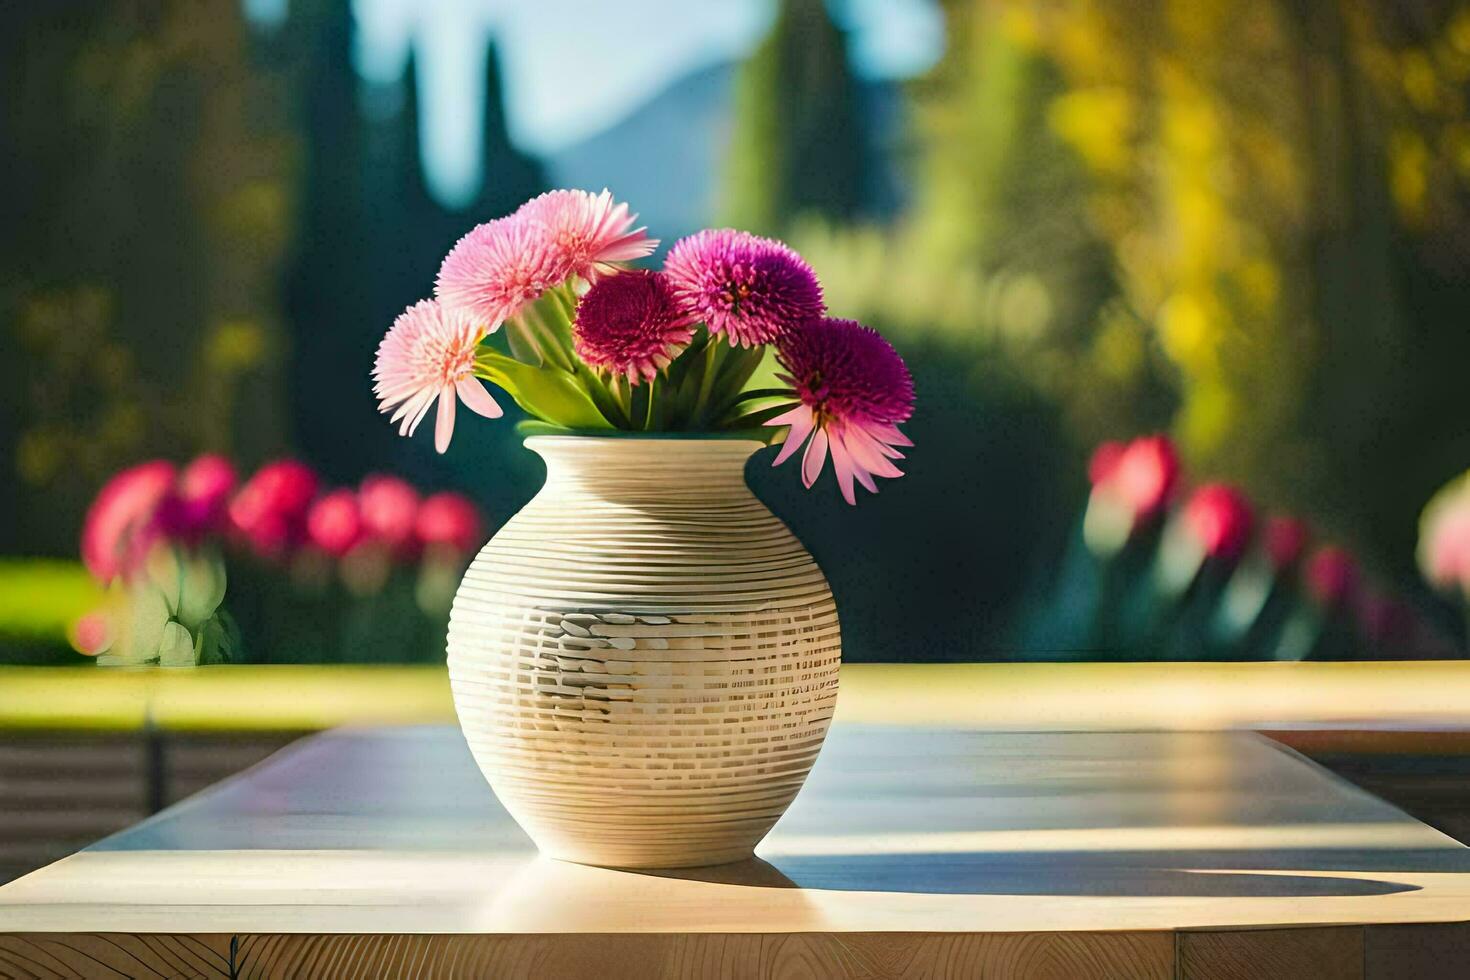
x,y
755,412
522,346
734,374
597,390
547,393
176,649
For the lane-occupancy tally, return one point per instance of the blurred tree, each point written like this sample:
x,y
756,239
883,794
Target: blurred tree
x,y
797,145
140,236
510,176
1283,189
329,289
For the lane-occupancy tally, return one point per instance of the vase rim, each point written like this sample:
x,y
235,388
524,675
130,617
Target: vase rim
x,y
625,435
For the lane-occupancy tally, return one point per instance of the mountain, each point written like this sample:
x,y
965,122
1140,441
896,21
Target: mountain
x,y
665,157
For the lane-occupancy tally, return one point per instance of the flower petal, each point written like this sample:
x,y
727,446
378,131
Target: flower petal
x,y
474,395
814,458
842,466
801,421
444,425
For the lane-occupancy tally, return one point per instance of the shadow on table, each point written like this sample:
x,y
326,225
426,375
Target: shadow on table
x,y
1121,875
1207,874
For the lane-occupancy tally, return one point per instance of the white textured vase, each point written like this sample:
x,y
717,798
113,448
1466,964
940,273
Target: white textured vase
x,y
644,659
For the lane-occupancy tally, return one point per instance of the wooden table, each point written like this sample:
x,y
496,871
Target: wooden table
x,y
911,852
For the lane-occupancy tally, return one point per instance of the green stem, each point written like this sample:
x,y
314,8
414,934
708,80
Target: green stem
x,y
548,338
652,392
706,383
623,394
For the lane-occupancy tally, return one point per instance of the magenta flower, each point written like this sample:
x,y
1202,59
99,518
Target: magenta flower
x,y
428,355
114,531
751,289
450,520
499,267
270,509
630,324
198,501
1220,519
589,234
854,390
389,508
334,524
1331,576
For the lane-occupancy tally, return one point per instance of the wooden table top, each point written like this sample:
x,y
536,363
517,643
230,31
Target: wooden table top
x,y
926,850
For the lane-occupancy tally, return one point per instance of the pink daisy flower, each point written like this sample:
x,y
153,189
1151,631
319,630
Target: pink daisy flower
x,y
751,289
630,324
854,390
428,355
499,267
590,233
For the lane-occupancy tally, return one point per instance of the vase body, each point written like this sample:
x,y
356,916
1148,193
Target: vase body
x,y
644,659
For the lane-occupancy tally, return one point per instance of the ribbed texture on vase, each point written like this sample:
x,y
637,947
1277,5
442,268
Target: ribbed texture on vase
x,y
644,659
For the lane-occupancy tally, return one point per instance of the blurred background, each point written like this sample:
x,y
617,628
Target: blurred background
x,y
1243,226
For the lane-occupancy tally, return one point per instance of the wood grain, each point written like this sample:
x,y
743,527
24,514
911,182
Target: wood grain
x,y
1417,952
644,659
1067,956
1257,954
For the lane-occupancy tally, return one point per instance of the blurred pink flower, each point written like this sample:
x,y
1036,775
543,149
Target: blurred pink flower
x,y
591,233
198,502
1104,461
450,519
119,520
1145,475
428,355
1284,539
750,289
854,390
389,509
1219,517
629,324
1331,576
499,267
91,634
270,509
334,524
1444,537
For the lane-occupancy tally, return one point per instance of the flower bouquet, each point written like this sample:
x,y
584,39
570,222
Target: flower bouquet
x,y
644,659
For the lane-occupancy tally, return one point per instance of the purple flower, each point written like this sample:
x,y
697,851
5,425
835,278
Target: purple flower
x,y
854,390
750,289
630,324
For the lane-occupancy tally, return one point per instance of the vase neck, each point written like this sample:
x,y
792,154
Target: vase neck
x,y
630,467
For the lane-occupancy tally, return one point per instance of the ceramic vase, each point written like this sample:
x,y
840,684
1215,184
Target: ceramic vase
x,y
644,659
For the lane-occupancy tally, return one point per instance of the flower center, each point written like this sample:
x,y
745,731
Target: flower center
x,y
735,293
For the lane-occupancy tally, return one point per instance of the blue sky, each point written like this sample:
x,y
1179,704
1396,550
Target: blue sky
x,y
574,67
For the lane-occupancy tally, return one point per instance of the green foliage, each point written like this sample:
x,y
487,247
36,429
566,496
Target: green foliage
x,y
146,213
709,386
41,598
